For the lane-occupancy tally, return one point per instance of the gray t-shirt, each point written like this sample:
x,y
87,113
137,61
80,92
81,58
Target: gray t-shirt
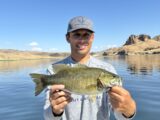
x,y
83,107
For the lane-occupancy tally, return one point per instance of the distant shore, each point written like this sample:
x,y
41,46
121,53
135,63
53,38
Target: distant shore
x,y
12,55
16,55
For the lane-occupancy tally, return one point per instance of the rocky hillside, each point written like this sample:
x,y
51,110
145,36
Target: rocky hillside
x,y
137,44
9,54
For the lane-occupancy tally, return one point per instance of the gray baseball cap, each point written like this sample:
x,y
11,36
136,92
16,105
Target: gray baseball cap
x,y
80,22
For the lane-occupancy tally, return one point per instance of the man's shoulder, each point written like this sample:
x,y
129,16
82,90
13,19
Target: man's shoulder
x,y
50,67
99,63
62,61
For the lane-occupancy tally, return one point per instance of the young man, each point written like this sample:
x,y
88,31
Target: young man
x,y
61,105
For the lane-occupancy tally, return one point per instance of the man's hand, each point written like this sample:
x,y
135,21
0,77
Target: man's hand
x,y
59,99
122,101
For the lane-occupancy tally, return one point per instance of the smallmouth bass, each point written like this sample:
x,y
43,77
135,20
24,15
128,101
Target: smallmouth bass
x,y
79,79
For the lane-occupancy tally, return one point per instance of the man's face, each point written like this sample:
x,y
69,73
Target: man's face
x,y
80,41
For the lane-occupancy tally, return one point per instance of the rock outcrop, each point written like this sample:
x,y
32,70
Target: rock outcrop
x,y
137,44
133,39
157,38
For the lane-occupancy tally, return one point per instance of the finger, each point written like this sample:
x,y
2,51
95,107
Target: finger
x,y
119,90
57,87
114,103
116,97
60,100
60,103
61,106
58,94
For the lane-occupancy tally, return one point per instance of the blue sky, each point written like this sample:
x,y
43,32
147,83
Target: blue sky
x,y
42,24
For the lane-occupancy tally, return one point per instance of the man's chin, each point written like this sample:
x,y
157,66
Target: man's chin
x,y
82,52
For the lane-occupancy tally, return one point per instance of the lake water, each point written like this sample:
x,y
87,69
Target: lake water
x,y
141,76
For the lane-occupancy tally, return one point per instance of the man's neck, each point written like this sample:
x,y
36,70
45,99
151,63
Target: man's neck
x,y
81,59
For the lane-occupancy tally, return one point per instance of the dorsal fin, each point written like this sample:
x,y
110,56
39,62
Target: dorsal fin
x,y
80,65
59,67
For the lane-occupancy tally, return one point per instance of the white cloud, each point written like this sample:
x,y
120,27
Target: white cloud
x,y
111,46
53,50
101,48
36,49
33,44
96,47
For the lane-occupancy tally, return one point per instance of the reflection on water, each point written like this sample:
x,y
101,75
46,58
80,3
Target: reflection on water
x,y
140,64
137,64
8,66
143,64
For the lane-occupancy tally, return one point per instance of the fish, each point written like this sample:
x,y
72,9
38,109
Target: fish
x,y
79,79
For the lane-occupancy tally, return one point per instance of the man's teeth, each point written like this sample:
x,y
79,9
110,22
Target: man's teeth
x,y
81,46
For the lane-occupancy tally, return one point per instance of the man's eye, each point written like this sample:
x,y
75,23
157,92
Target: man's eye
x,y
77,35
86,35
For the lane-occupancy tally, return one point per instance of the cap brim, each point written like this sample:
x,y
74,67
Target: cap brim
x,y
79,29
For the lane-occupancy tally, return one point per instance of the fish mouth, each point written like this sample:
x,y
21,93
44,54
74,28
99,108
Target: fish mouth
x,y
102,86
107,89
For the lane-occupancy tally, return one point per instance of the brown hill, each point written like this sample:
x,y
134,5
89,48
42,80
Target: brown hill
x,y
9,54
141,44
157,38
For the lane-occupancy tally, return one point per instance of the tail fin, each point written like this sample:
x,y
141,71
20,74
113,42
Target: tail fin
x,y
39,80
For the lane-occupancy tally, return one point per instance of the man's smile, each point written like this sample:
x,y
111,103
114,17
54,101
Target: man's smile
x,y
82,47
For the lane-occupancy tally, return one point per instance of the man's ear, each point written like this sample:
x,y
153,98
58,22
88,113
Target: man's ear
x,y
67,38
92,37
